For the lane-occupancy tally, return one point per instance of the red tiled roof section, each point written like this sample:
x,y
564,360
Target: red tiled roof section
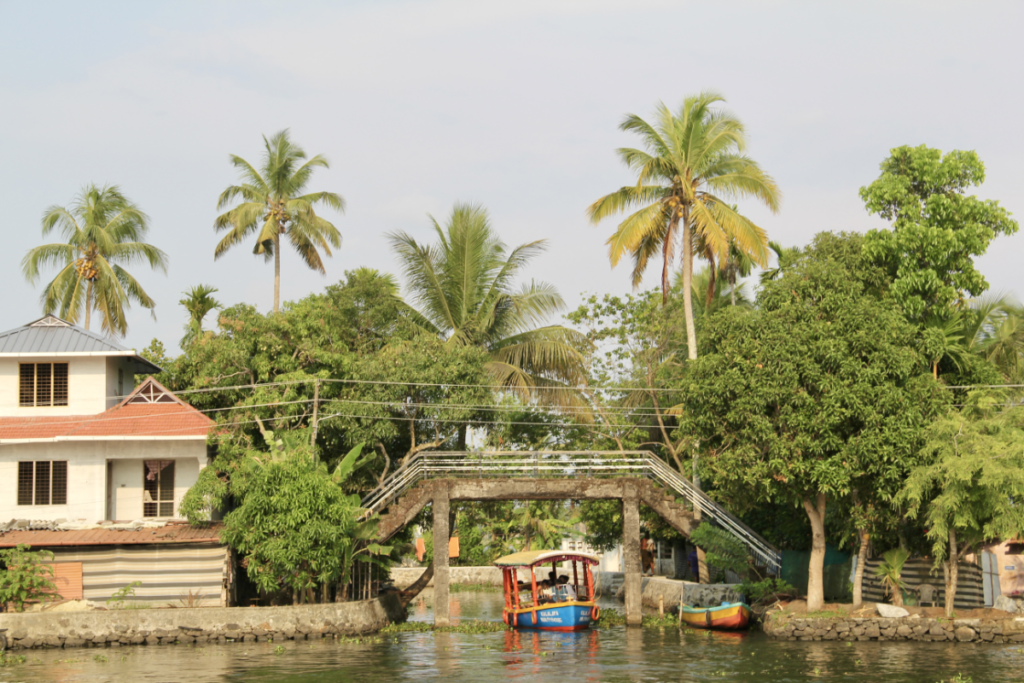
x,y
171,533
135,416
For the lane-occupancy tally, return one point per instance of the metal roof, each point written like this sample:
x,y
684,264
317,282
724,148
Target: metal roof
x,y
171,533
52,336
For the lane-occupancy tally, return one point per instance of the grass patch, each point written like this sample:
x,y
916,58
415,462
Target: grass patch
x,y
473,588
823,614
464,627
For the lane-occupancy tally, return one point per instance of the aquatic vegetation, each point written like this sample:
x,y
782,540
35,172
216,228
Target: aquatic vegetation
x,y
11,660
469,626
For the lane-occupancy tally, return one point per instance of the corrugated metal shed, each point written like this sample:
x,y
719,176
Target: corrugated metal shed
x,y
52,336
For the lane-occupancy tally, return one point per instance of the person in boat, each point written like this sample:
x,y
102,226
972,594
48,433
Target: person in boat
x,y
563,591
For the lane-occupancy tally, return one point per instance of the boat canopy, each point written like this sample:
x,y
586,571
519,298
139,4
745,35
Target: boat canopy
x,y
529,558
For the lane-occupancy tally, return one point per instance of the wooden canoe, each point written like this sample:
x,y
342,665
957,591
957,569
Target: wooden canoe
x,y
729,616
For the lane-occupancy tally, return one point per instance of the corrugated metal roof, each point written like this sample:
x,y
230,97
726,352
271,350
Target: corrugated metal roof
x,y
173,418
50,334
171,533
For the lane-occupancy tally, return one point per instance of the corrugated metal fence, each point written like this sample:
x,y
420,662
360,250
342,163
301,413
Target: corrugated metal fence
x,y
168,573
969,592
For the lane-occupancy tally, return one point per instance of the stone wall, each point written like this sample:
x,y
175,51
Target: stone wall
x,y
403,577
689,593
907,628
114,628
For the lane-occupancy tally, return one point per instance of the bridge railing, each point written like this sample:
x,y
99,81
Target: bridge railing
x,y
561,465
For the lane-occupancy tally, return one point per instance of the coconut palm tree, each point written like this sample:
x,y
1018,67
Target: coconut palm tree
x,y
198,302
692,165
463,290
274,203
785,257
103,232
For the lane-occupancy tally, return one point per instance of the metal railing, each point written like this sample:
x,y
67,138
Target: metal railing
x,y
563,465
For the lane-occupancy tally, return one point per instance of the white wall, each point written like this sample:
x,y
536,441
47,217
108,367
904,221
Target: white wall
x,y
87,387
115,363
87,476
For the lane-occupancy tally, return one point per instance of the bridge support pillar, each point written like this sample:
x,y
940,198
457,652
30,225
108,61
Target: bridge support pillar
x,y
441,505
631,556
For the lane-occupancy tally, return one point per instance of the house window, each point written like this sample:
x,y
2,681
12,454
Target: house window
x,y
43,384
43,482
158,489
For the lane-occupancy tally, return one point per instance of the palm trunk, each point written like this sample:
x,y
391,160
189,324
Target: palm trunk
x,y
951,573
691,330
732,288
277,272
709,297
815,571
88,304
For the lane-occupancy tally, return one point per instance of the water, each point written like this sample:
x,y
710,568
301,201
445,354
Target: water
x,y
599,655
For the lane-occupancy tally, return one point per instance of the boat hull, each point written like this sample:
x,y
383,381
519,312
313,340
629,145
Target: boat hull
x,y
555,617
731,617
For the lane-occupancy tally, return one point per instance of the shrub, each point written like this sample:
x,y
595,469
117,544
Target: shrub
x,y
28,578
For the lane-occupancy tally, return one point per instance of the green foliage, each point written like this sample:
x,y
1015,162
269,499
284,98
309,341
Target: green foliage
x,y
722,549
756,591
103,232
293,524
889,573
816,386
814,393
968,488
938,230
28,577
121,595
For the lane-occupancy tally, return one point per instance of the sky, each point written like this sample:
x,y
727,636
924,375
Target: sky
x,y
512,105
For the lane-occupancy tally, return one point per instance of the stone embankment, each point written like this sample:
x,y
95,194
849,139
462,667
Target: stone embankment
x,y
403,577
115,628
918,628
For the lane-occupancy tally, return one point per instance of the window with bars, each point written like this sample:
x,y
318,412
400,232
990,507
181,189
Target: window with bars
x,y
158,488
43,482
43,384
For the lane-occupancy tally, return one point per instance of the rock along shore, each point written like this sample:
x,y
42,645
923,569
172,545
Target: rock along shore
x,y
114,628
917,628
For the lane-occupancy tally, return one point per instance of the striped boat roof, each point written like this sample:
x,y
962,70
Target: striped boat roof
x,y
528,558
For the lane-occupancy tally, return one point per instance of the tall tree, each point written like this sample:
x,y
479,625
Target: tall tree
x,y
103,231
793,400
463,289
198,302
937,229
969,490
692,165
274,203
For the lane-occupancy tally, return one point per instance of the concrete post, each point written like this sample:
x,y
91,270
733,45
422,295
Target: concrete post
x,y
631,553
441,532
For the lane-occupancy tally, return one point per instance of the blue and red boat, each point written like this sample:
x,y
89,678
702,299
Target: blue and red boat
x,y
554,603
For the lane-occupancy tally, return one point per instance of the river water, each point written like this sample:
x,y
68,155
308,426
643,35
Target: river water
x,y
605,654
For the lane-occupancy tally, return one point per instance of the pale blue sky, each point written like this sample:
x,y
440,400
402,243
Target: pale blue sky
x,y
512,105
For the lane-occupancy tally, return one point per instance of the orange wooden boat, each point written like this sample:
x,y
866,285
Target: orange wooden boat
x,y
729,616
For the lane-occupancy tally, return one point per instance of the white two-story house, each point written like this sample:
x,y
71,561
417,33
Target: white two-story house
x,y
94,467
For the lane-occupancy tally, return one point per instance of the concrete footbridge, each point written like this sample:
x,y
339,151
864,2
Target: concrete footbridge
x,y
632,477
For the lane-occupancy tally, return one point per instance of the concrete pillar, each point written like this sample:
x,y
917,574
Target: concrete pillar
x,y
631,555
441,532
